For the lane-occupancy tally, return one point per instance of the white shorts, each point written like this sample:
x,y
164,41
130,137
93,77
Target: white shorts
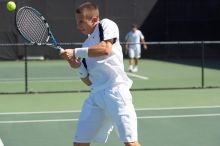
x,y
134,52
104,110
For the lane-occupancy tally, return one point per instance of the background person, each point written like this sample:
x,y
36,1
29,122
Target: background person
x,y
133,41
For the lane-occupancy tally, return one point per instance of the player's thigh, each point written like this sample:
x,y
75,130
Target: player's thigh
x,y
137,53
105,129
91,117
131,53
122,112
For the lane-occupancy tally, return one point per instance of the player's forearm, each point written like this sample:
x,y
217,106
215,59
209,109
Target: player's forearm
x,y
144,43
86,81
126,45
101,49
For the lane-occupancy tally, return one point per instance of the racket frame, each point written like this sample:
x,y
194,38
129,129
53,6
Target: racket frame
x,y
50,36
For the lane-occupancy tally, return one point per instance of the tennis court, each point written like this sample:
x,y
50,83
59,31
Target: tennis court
x,y
57,76
165,117
175,91
188,115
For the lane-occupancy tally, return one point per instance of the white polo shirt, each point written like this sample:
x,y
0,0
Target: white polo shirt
x,y
134,37
106,71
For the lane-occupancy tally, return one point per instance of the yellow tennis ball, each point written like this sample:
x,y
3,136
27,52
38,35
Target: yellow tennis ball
x,y
11,6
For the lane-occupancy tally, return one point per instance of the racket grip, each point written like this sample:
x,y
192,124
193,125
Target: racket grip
x,y
60,49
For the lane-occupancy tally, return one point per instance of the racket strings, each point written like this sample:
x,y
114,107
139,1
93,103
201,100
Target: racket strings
x,y
38,29
32,26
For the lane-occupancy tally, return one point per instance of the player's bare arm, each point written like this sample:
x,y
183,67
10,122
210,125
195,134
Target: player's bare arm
x,y
101,49
86,80
75,63
144,43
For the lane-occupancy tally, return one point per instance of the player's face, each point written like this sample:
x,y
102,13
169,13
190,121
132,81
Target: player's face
x,y
133,29
84,25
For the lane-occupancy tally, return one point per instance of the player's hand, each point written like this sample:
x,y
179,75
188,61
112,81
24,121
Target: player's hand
x,y
68,54
145,46
63,54
74,62
126,46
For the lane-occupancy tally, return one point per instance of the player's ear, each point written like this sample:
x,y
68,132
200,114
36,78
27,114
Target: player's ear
x,y
95,19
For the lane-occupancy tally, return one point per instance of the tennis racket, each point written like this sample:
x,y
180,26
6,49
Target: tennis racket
x,y
34,28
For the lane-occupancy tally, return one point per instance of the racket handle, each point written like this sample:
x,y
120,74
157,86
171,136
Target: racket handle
x,y
60,49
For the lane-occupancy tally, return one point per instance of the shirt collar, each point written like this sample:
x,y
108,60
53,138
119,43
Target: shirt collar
x,y
95,32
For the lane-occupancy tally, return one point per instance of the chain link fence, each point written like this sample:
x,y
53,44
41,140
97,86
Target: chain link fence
x,y
164,65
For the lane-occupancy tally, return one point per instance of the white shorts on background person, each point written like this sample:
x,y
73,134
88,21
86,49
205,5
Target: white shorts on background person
x,y
105,109
134,52
134,47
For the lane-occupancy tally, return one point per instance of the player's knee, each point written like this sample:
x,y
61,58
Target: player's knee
x,y
80,144
132,144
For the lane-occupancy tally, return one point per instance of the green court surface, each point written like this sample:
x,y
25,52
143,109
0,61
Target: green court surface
x,y
165,118
56,75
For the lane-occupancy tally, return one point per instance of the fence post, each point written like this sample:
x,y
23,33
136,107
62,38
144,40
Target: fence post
x,y
25,68
202,64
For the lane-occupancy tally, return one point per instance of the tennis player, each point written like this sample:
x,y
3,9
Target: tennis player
x,y
1,143
99,63
133,40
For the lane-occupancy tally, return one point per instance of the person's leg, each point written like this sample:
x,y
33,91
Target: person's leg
x,y
89,122
121,110
81,144
105,130
131,59
136,58
1,143
94,124
131,64
136,61
135,69
132,144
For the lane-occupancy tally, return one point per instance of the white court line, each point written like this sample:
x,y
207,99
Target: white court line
x,y
41,78
6,81
144,117
177,108
37,121
138,109
137,76
180,116
42,112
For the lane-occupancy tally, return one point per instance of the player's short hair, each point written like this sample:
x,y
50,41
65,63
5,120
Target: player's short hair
x,y
134,26
88,9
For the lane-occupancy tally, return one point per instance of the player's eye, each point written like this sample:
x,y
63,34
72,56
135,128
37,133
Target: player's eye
x,y
80,22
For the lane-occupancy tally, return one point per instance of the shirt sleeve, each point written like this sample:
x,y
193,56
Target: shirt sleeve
x,y
141,35
110,29
126,37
